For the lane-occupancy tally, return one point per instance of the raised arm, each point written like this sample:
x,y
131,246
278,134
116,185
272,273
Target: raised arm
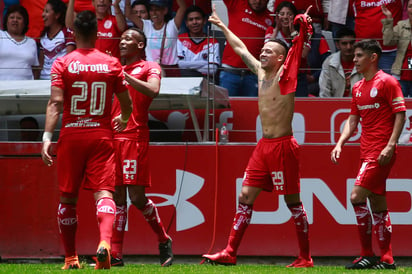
x,y
180,13
70,15
120,19
238,46
128,12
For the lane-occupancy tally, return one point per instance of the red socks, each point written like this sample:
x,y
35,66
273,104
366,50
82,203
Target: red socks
x,y
151,215
67,222
383,231
302,229
240,223
105,210
118,231
364,219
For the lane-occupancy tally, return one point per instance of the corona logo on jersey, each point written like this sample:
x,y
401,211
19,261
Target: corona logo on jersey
x,y
76,67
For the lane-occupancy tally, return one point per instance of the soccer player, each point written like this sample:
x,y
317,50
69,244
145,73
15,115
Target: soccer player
x,y
274,164
377,103
83,84
132,144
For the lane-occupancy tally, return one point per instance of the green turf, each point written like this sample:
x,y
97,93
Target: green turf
x,y
190,268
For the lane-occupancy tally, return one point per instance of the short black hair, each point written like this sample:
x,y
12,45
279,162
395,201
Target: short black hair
x,y
142,34
58,7
23,12
281,42
141,2
288,5
344,32
194,8
369,45
85,23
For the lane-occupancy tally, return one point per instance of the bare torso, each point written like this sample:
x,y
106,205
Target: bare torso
x,y
276,110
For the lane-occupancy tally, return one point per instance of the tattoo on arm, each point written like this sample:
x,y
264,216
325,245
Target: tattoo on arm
x,y
250,62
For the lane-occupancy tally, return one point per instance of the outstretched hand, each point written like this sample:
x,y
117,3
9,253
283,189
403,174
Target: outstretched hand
x,y
308,18
386,12
214,19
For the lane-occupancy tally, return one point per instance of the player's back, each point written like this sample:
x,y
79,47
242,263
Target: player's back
x,y
89,78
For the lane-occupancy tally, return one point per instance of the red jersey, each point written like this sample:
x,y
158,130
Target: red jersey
x,y
88,78
376,101
108,36
137,127
289,76
370,11
81,5
249,26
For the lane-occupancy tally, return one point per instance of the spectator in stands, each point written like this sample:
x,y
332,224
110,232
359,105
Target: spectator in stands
x,y
368,11
110,27
284,30
205,5
198,54
339,73
248,19
340,15
319,17
319,51
162,35
400,35
139,8
55,41
18,53
29,129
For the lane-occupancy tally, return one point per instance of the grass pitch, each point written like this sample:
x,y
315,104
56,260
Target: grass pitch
x,y
192,267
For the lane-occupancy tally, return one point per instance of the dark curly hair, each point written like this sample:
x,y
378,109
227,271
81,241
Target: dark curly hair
x,y
22,11
59,7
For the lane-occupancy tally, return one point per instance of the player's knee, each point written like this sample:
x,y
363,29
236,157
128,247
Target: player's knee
x,y
244,198
357,198
138,201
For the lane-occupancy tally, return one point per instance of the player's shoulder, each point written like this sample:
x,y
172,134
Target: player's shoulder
x,y
152,64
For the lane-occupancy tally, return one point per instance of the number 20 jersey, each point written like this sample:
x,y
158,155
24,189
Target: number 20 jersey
x,y
89,78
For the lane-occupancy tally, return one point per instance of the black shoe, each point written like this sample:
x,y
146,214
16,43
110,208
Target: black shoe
x,y
116,262
165,253
384,265
362,262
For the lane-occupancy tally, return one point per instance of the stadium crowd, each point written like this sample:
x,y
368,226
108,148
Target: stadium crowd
x,y
35,33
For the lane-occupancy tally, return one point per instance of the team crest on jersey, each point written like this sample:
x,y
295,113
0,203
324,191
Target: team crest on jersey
x,y
107,24
204,56
248,11
268,22
374,92
187,44
137,70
